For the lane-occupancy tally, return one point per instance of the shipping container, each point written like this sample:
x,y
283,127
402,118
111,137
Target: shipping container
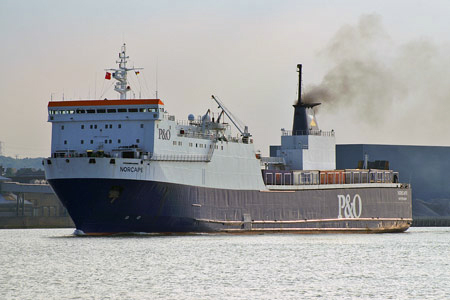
x,y
305,177
356,176
332,177
277,177
381,176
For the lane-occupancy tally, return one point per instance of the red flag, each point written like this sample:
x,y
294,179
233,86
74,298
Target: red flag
x,y
108,76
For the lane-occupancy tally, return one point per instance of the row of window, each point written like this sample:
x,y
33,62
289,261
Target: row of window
x,y
106,141
197,145
104,110
94,126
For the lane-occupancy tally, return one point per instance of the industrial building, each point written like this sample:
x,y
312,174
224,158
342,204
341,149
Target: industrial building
x,y
424,167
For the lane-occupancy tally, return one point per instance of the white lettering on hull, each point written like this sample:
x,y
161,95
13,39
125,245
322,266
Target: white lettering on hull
x,y
402,195
349,208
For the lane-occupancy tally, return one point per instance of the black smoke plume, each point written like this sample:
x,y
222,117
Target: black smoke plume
x,y
371,73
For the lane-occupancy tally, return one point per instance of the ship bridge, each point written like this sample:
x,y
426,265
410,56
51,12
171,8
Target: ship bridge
x,y
81,127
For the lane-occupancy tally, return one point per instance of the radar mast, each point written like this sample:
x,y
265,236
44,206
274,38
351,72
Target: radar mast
x,y
120,74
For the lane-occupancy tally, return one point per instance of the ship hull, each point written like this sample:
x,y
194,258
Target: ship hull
x,y
108,206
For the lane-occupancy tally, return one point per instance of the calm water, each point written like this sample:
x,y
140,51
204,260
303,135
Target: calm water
x,y
53,264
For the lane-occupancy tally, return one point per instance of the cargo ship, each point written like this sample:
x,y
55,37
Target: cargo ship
x,y
127,165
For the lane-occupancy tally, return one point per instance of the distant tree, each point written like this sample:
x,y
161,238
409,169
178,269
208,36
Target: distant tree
x,y
10,172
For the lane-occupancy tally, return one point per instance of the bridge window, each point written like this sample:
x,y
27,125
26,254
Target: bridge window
x,y
142,110
110,126
101,111
91,126
90,111
122,110
111,110
80,111
119,126
82,142
82,126
65,142
142,125
95,126
132,110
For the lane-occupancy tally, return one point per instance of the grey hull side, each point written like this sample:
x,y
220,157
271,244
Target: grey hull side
x,y
116,206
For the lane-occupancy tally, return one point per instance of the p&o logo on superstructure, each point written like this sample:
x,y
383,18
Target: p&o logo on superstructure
x,y
164,134
349,208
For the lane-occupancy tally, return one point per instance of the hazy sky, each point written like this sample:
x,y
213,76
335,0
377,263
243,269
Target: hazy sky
x,y
245,52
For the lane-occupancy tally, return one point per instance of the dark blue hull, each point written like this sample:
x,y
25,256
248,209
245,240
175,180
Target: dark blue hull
x,y
118,206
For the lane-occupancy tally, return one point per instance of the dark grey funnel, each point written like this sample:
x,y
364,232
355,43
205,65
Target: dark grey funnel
x,y
301,124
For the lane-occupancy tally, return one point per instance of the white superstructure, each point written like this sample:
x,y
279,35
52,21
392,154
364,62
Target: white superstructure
x,y
138,139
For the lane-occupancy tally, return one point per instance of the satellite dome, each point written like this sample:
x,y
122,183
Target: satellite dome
x,y
191,118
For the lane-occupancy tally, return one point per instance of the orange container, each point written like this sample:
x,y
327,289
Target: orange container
x,y
332,177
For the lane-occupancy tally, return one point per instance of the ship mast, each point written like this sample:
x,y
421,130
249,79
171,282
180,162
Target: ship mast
x,y
120,74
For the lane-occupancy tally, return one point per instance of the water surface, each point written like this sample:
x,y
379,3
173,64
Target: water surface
x,y
53,264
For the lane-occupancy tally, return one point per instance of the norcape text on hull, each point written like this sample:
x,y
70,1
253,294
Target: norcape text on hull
x,y
127,165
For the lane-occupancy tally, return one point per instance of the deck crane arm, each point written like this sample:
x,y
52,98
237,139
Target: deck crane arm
x,y
244,133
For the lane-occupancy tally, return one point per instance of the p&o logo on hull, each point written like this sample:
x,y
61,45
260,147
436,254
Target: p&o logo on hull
x,y
349,208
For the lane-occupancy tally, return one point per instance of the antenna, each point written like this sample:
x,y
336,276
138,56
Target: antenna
x,y
120,74
299,70
156,78
95,86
